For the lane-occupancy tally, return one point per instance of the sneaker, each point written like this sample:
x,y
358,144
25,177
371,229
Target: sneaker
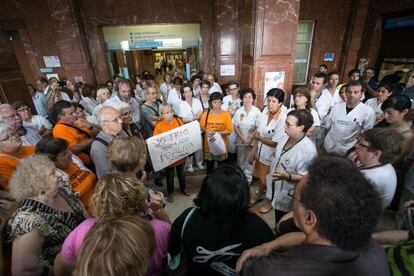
x,y
190,169
201,166
170,198
184,192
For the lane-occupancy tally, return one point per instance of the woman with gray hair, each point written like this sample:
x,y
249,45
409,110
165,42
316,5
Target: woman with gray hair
x,y
48,211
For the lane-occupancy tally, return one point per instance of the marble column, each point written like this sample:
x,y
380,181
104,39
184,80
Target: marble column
x,y
227,34
74,54
268,34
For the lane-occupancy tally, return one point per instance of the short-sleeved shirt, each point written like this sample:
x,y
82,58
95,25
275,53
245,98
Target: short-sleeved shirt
x,y
273,130
147,112
211,249
82,181
295,160
54,225
384,180
344,127
246,122
163,126
74,240
73,136
38,122
216,122
189,112
375,105
230,105
9,162
31,137
133,104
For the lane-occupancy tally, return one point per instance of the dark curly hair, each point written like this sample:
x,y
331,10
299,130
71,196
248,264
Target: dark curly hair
x,y
346,205
224,196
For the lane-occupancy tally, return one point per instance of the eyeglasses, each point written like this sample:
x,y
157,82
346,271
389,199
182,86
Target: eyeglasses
x,y
362,145
166,112
115,120
288,124
291,194
14,116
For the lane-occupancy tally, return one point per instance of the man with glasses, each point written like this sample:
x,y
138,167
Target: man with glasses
x,y
111,128
373,153
29,135
347,120
149,111
337,216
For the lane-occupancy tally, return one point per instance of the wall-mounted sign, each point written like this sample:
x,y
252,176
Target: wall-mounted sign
x,y
78,79
51,61
46,70
273,80
151,36
328,57
227,70
49,76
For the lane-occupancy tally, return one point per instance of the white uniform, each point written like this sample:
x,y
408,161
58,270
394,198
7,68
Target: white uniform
x,y
187,111
344,128
89,104
32,136
274,130
174,99
323,103
375,105
296,160
247,123
384,180
215,88
38,122
315,116
335,98
231,106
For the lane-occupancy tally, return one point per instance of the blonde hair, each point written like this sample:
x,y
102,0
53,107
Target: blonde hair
x,y
30,177
100,93
126,154
117,194
116,246
164,107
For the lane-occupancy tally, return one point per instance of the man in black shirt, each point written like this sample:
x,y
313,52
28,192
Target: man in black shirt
x,y
337,216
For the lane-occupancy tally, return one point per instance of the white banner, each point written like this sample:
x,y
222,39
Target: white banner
x,y
173,145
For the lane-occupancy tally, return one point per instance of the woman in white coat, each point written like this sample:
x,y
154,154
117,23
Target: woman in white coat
x,y
294,154
269,132
190,109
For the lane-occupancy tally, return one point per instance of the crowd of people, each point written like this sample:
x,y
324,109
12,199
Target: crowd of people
x,y
79,194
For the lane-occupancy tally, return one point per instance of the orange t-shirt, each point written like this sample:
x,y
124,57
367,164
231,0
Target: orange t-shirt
x,y
216,122
163,126
73,136
8,165
82,182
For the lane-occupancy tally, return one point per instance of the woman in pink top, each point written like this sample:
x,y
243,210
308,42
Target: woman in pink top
x,y
117,195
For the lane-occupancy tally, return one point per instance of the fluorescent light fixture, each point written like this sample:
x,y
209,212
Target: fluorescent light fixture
x,y
170,42
125,45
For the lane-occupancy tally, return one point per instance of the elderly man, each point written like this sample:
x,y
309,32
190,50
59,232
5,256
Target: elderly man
x,y
111,127
78,132
337,216
124,95
29,135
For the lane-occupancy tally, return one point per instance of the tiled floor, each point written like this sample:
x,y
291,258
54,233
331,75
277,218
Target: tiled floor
x,y
182,202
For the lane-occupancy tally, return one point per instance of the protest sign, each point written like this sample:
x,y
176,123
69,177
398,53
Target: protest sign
x,y
173,145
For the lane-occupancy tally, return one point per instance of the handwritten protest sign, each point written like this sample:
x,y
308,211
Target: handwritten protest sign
x,y
173,145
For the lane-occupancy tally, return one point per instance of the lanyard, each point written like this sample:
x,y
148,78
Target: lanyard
x,y
278,161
